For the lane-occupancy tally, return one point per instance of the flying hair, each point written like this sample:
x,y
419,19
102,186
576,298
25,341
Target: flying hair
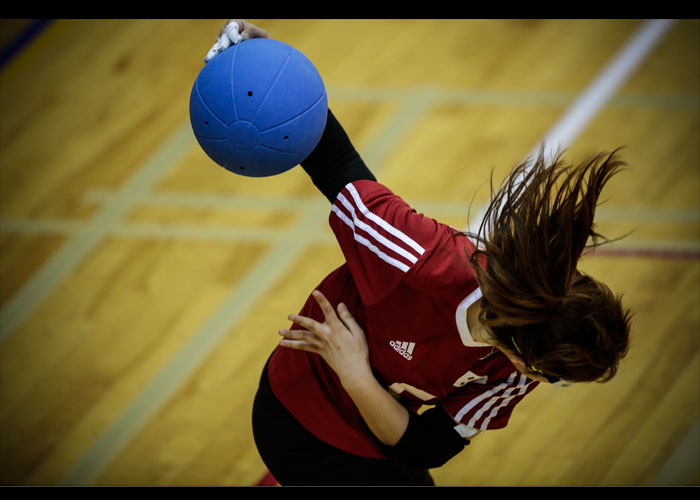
x,y
536,228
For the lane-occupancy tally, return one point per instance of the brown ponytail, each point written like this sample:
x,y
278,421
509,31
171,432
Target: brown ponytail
x,y
536,228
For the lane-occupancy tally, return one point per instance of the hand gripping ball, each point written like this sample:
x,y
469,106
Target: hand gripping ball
x,y
258,108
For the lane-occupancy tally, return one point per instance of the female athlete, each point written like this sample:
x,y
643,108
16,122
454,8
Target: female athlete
x,y
423,315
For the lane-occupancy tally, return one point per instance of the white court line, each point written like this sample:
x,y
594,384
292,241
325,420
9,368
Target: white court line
x,y
596,95
599,92
271,265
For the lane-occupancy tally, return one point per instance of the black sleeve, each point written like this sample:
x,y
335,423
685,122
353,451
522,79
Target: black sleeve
x,y
335,162
430,440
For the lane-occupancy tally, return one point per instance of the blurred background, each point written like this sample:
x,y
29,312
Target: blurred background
x,y
142,286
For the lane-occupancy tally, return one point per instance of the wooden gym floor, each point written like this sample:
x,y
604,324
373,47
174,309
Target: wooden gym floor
x,y
142,286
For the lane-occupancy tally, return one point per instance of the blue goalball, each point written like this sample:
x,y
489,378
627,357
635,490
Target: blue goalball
x,y
258,108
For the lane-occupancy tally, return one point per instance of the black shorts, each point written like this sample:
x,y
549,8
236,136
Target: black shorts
x,y
297,458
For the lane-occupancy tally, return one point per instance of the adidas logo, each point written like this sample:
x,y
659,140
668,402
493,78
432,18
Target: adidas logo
x,y
403,348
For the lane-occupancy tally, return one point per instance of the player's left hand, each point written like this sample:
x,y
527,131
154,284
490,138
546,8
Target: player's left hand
x,y
340,341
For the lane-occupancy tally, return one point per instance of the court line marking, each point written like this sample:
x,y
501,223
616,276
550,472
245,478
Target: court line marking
x,y
248,291
598,93
629,246
73,252
267,270
165,199
595,96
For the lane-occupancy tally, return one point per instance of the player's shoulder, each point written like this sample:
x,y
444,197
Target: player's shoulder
x,y
366,190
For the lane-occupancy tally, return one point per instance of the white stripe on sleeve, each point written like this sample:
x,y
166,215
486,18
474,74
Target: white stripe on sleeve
x,y
372,232
505,398
381,222
521,388
484,396
364,241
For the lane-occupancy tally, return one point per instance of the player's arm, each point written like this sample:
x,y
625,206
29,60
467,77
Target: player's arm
x,y
430,440
341,342
335,162
420,441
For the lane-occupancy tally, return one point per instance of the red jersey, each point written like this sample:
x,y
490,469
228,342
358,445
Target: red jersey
x,y
408,283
